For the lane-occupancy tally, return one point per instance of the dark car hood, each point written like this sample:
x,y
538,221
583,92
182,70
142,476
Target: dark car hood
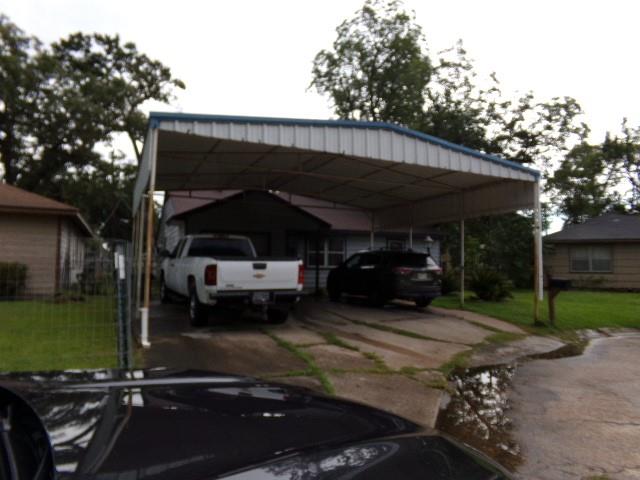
x,y
163,424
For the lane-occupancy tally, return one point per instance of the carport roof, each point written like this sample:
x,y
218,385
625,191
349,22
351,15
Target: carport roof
x,y
403,175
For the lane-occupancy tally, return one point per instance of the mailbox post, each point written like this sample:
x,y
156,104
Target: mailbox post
x,y
554,287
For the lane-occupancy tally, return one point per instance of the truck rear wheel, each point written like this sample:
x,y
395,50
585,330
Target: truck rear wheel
x,y
164,292
277,315
197,311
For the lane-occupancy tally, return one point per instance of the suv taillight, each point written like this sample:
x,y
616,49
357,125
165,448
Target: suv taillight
x,y
301,274
403,270
211,275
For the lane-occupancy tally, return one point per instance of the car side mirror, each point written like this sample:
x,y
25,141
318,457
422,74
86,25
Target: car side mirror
x,y
165,253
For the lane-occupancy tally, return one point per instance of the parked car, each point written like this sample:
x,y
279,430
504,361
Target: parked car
x,y
384,275
225,270
164,425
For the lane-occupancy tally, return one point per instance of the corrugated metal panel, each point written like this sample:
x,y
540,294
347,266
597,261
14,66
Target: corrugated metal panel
x,y
272,153
493,199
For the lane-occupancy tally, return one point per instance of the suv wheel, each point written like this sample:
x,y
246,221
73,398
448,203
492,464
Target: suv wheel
x,y
376,298
423,302
197,311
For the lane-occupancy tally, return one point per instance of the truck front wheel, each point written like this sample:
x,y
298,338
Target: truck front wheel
x,y
197,311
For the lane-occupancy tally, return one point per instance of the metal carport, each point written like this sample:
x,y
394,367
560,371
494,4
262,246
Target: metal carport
x,y
404,178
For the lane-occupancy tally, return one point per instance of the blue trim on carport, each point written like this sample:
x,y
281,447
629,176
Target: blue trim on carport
x,y
155,117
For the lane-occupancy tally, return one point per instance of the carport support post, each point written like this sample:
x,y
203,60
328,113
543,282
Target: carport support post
x,y
538,294
462,250
372,235
138,252
462,262
144,311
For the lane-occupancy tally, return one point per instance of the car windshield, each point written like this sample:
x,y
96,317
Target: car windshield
x,y
221,248
408,259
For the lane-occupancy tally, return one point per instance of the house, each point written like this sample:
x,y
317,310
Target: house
x,y
49,237
603,252
321,233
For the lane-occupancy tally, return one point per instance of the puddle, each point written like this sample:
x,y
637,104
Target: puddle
x,y
478,410
477,413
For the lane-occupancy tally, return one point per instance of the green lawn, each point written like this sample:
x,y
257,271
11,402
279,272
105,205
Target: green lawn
x,y
42,335
574,309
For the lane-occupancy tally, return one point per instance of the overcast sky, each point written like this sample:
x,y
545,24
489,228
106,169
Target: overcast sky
x,y
254,57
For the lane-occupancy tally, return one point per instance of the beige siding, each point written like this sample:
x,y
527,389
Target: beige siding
x,y
625,273
32,240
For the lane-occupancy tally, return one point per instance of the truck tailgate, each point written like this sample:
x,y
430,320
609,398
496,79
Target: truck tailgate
x,y
258,275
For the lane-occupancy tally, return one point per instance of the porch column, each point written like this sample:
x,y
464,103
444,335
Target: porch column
x,y
538,274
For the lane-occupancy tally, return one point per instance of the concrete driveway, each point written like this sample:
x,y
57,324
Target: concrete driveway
x,y
390,358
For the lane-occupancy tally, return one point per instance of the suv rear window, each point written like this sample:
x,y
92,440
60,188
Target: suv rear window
x,y
220,248
407,259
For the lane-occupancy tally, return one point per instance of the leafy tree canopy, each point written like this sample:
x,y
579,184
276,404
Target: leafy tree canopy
x,y
62,104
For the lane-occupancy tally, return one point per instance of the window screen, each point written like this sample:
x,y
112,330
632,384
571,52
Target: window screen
x,y
596,258
580,259
600,259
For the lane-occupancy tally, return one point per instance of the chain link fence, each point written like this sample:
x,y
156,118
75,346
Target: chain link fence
x,y
70,311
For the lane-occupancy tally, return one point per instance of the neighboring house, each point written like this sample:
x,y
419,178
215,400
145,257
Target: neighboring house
x,y
321,233
603,252
48,236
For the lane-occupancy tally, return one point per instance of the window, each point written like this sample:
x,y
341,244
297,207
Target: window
x,y
370,260
220,247
596,258
330,254
354,261
395,244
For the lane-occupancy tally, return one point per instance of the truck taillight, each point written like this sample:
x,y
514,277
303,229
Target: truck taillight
x,y
211,275
301,274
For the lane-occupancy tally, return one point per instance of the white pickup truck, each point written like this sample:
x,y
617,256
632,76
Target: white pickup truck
x,y
225,270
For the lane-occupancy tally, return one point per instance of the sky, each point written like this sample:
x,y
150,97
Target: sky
x,y
245,57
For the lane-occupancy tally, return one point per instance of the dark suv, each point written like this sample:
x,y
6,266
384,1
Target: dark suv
x,y
383,275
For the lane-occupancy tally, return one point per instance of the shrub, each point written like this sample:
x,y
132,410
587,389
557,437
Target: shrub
x,y
490,285
450,281
13,279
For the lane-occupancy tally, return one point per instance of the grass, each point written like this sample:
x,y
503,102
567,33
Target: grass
x,y
313,370
41,335
574,309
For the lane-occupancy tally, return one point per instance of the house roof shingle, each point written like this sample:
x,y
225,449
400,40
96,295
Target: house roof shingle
x,y
610,227
17,200
342,218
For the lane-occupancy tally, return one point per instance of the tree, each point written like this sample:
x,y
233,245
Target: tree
x,y
443,97
117,78
61,107
19,80
378,68
582,184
